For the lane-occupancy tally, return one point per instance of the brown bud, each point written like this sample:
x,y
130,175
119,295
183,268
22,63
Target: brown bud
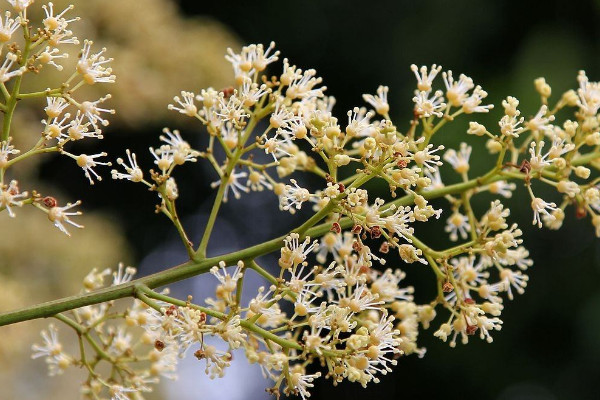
x,y
356,229
335,227
171,310
341,187
580,212
471,329
525,167
363,269
199,354
228,91
447,287
49,201
375,232
159,345
356,246
401,164
469,300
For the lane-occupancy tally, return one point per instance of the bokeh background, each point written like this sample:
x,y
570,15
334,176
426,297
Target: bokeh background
x,y
549,347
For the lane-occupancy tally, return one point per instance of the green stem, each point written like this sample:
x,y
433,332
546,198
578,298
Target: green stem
x,y
193,268
11,102
201,252
243,323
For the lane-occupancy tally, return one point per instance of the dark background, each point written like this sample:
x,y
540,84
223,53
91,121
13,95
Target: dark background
x,y
549,347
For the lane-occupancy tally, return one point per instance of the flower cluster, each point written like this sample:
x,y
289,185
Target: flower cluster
x,y
68,117
111,335
332,303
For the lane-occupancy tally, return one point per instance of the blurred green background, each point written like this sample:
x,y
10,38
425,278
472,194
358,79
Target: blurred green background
x,y
549,347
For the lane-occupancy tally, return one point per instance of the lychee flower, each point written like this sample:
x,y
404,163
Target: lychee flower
x,y
425,78
540,207
10,197
133,171
59,216
457,224
232,184
8,27
379,102
459,160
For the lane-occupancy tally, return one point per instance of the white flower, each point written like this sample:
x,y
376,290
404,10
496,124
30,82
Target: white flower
x,y
91,66
359,124
304,302
181,150
472,104
502,188
477,129
52,349
56,22
6,150
540,123
118,392
379,102
589,95
55,127
515,279
426,106
10,197
361,299
459,160
231,332
293,196
261,57
121,341
93,113
435,178
293,252
303,86
456,92
537,160
386,285
559,147
398,222
163,157
228,282
123,274
233,184
262,304
425,79
510,125
95,280
20,5
301,382
231,110
88,163
495,218
8,27
539,206
133,171
257,181
427,159
250,93
282,117
186,106
5,75
278,145
78,130
457,224
59,216
55,107
568,187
